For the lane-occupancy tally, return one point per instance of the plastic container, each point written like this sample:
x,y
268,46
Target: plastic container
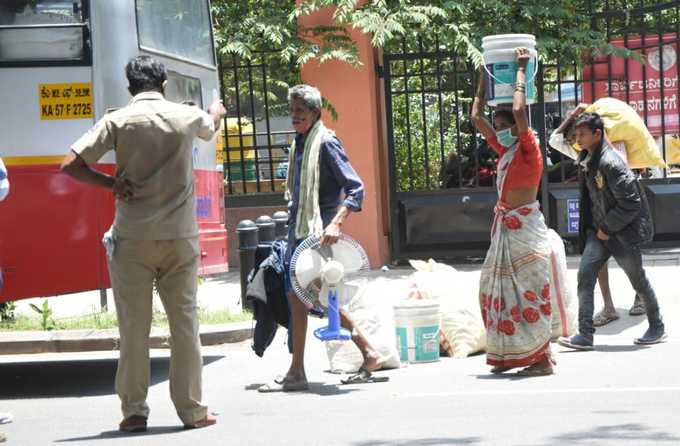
x,y
235,140
235,170
500,62
417,329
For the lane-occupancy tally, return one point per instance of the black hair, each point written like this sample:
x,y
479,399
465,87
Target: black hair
x,y
145,73
506,114
570,131
591,120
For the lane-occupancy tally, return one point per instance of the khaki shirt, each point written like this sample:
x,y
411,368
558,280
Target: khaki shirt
x,y
153,141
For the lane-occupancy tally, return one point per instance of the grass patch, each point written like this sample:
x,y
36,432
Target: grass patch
x,y
102,321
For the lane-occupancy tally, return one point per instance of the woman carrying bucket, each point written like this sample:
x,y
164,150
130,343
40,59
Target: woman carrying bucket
x,y
517,281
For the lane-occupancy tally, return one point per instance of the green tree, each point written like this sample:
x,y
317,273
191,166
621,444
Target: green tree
x,y
566,32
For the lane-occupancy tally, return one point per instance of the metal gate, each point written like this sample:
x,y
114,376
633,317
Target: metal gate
x,y
442,174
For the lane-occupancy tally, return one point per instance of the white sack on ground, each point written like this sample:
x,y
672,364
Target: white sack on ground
x,y
370,304
461,320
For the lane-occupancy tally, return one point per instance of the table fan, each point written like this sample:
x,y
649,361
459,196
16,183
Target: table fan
x,y
317,274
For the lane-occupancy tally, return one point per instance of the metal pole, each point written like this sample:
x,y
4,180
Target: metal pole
x,y
103,301
265,229
247,244
280,225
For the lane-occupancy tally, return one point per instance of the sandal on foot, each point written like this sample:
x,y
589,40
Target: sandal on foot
x,y
604,317
132,424
286,385
638,308
497,370
206,421
364,377
536,370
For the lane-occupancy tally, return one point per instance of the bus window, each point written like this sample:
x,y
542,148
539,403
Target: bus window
x,y
41,31
185,89
179,28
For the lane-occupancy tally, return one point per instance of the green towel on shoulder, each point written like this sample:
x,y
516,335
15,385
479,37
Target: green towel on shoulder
x,y
308,219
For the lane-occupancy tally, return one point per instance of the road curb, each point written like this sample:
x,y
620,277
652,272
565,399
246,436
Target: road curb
x,y
68,341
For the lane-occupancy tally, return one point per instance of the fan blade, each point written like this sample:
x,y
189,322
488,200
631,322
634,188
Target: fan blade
x,y
308,267
350,257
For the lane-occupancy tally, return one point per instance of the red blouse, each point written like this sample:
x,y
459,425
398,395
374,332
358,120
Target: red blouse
x,y
526,167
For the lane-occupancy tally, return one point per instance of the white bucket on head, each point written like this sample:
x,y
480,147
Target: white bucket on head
x,y
500,62
417,328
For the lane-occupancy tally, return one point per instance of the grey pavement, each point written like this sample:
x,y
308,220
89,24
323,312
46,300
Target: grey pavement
x,y
618,394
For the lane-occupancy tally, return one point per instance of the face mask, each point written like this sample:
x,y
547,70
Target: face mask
x,y
505,137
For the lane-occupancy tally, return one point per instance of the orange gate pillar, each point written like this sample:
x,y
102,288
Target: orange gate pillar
x,y
354,93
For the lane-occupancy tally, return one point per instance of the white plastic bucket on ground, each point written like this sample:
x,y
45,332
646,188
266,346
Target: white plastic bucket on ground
x,y
500,62
417,328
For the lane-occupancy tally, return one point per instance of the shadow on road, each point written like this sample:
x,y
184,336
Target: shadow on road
x,y
316,388
620,348
623,323
606,348
51,379
422,441
109,435
634,432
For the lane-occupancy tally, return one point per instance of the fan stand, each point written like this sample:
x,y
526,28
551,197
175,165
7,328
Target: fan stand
x,y
333,332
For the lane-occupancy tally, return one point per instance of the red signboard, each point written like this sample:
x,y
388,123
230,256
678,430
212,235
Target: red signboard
x,y
632,81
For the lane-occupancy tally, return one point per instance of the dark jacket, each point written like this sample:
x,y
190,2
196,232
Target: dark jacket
x,y
274,311
612,199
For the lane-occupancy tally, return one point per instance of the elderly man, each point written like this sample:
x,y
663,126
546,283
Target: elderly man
x,y
154,234
318,177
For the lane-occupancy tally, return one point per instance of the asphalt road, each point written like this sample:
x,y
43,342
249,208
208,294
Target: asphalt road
x,y
620,394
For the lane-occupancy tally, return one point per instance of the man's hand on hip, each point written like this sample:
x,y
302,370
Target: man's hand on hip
x,y
122,189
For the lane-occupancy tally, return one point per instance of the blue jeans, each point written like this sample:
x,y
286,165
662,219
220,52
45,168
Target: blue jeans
x,y
629,258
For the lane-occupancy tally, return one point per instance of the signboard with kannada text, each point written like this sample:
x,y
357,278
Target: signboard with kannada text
x,y
572,215
65,101
651,88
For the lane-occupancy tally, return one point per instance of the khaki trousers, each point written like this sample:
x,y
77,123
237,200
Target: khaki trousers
x,y
173,265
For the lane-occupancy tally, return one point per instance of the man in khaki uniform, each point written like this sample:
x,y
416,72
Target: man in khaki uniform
x,y
154,234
